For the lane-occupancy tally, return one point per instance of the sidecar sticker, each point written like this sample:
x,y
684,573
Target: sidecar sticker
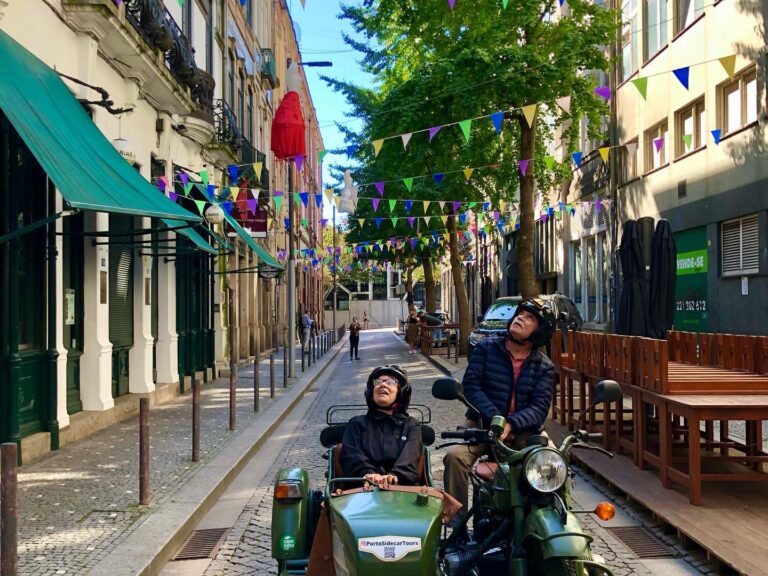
x,y
287,543
389,548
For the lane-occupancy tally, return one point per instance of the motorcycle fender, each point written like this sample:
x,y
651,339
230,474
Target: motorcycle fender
x,y
290,518
555,539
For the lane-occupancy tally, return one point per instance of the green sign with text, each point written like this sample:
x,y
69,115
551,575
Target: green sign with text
x,y
691,282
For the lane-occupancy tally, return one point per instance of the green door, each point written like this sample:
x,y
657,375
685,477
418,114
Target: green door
x,y
121,267
72,312
191,307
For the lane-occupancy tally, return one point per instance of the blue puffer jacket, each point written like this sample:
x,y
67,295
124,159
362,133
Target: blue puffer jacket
x,y
488,383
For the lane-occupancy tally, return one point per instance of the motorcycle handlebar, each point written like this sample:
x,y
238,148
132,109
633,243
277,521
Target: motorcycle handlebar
x,y
458,434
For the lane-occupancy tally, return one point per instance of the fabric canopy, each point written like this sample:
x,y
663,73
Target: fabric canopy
x,y
264,256
87,170
190,234
288,134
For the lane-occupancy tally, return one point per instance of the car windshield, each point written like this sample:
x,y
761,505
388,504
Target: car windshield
x,y
500,311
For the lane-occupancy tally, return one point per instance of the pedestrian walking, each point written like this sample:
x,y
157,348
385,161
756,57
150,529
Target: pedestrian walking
x,y
412,331
354,338
365,319
306,329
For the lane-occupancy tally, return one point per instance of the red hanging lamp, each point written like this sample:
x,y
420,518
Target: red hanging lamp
x,y
288,135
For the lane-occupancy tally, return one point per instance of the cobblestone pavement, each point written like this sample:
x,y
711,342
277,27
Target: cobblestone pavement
x,y
247,546
77,504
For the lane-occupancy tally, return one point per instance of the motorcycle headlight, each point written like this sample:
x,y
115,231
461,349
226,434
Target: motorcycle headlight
x,y
546,470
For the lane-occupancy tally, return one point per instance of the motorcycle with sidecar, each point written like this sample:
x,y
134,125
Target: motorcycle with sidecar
x,y
522,517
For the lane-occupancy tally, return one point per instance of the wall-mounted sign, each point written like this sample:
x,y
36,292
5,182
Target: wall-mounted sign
x,y
691,285
69,307
256,224
267,271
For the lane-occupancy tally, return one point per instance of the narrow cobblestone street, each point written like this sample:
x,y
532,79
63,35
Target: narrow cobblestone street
x,y
246,549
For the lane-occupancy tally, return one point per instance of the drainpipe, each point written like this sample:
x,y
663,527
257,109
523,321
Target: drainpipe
x,y
291,289
11,288
53,353
613,169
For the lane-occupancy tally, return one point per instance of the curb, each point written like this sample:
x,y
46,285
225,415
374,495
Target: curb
x,y
146,550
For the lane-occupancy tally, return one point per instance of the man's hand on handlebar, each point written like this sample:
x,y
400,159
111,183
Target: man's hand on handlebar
x,y
379,479
507,437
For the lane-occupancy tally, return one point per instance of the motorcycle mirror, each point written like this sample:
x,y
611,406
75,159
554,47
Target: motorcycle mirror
x,y
447,389
607,391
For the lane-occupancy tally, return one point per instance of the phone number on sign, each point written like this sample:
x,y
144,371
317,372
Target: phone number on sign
x,y
691,305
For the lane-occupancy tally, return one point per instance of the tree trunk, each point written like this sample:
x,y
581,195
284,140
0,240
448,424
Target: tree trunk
x,y
409,286
429,281
525,243
462,303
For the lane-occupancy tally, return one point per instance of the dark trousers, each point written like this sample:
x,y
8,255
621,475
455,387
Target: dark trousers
x,y
354,342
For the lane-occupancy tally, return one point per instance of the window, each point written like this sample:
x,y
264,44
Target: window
x,y
740,242
249,117
628,161
248,7
544,246
590,277
655,26
686,11
241,102
656,144
231,79
629,31
690,123
738,101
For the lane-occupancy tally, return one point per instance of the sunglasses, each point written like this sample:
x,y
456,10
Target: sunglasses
x,y
392,383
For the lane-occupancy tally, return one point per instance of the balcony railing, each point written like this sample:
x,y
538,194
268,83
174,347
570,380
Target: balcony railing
x,y
161,32
268,73
226,130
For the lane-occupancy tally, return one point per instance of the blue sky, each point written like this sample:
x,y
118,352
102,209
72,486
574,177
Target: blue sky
x,y
319,32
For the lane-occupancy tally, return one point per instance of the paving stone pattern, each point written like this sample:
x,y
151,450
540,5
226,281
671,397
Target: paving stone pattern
x,y
78,504
247,549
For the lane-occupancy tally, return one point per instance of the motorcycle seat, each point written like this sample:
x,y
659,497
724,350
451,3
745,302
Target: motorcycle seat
x,y
485,470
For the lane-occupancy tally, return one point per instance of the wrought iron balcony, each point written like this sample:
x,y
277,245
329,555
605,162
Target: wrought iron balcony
x,y
202,94
268,73
227,131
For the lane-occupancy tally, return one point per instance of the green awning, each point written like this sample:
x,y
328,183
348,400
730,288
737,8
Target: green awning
x,y
264,256
87,170
191,235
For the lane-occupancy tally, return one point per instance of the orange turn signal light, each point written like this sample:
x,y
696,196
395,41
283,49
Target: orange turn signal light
x,y
287,491
605,511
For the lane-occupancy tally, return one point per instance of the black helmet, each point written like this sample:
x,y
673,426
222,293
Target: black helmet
x,y
403,399
543,312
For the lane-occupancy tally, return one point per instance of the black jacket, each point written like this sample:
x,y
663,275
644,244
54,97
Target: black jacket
x,y
488,383
376,443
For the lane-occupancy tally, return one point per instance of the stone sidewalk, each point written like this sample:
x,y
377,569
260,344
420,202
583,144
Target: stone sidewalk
x,y
77,505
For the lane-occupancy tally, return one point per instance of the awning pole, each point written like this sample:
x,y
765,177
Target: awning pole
x,y
30,227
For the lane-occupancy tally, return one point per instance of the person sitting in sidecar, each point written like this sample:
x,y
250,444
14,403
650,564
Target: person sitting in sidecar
x,y
384,445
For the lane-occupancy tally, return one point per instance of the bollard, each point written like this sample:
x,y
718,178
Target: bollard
x,y
272,374
195,420
285,367
314,349
144,451
256,383
302,356
9,514
309,353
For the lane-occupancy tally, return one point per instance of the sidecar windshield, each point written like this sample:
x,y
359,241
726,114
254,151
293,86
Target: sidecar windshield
x,y
343,413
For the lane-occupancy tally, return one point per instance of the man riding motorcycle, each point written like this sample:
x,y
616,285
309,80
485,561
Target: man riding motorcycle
x,y
508,376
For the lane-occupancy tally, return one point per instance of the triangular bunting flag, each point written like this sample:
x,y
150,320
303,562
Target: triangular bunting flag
x,y
411,220
444,219
549,162
682,75
688,140
437,177
258,168
392,205
377,144
252,206
497,118
433,132
394,221
729,63
408,205
442,205
278,200
337,201
408,183
351,149
426,220
466,126
299,161
304,222
380,188
642,86
406,138
378,220
468,173
577,157
361,221
204,177
523,165
200,206
658,143
319,200
426,204
375,202
320,155
716,135
604,153
255,193
227,207
631,149
235,192
564,102
329,194
604,92
529,112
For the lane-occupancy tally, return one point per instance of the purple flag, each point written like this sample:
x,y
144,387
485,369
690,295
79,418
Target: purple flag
x,y
299,161
603,92
433,132
451,3
375,202
380,188
184,177
251,206
658,143
172,196
411,219
456,205
523,166
413,243
496,214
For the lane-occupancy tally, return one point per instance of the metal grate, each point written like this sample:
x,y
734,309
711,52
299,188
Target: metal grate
x,y
202,544
641,542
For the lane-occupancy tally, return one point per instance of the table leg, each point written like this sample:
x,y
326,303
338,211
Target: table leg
x,y
564,381
619,424
636,430
665,445
641,423
694,459
569,392
724,437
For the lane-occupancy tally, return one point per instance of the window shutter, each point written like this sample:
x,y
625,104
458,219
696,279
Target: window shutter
x,y
121,283
750,260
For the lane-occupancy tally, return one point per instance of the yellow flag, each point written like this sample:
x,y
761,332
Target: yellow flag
x,y
257,169
269,223
235,191
377,144
729,63
529,112
361,221
468,173
337,200
502,205
329,194
444,219
447,236
604,153
426,205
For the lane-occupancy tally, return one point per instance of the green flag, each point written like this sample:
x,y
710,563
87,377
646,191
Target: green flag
x,y
466,126
642,86
408,183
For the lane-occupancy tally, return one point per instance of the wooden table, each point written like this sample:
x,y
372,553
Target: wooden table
x,y
702,408
692,379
